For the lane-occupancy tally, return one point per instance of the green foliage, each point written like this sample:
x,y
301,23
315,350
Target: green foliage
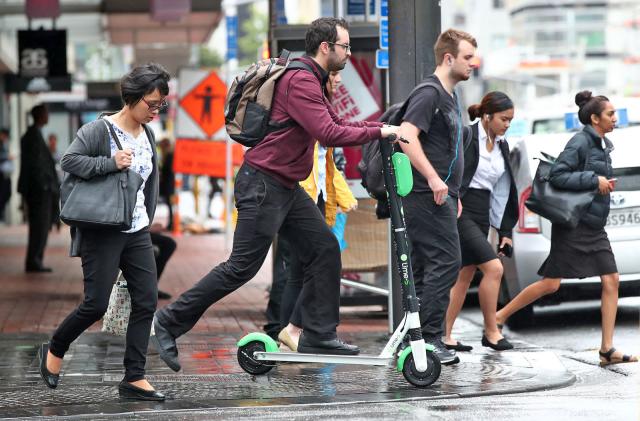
x,y
255,33
210,58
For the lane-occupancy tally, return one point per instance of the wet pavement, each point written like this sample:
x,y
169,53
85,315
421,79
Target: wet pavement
x,y
32,305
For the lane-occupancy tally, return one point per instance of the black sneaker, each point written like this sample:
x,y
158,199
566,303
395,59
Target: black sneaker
x,y
446,356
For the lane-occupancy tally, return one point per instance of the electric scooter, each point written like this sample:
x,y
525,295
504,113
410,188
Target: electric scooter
x,y
258,352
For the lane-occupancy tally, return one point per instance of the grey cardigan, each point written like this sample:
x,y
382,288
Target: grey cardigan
x,y
89,155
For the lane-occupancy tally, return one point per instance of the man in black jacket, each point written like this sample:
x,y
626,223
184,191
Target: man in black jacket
x,y
38,184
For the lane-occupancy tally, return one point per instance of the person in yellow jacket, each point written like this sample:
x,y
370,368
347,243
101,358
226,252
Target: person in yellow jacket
x,y
328,188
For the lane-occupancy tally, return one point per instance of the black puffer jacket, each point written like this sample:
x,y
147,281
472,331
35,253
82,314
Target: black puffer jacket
x,y
569,172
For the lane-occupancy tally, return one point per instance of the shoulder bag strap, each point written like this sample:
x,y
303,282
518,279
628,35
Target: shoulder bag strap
x,y
113,133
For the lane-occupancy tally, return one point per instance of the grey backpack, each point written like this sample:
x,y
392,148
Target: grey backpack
x,y
247,108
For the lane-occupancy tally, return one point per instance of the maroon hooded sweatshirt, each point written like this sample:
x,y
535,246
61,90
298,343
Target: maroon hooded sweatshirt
x,y
287,154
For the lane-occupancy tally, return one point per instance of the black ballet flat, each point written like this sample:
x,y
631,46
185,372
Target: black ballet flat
x,y
502,345
459,346
128,391
49,378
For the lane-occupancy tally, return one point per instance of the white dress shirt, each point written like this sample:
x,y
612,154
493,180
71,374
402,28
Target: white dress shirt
x,y
490,164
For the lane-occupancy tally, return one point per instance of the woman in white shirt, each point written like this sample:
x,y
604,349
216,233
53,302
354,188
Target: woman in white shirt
x,y
489,198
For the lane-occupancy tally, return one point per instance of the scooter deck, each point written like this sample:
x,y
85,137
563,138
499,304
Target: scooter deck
x,y
298,357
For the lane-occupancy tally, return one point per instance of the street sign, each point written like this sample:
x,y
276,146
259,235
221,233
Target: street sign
x,y
384,33
382,59
203,157
201,112
384,8
232,37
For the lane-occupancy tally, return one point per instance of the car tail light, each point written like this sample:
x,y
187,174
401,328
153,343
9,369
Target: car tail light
x,y
528,222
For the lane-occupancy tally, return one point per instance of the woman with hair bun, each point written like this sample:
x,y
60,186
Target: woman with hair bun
x,y
489,198
583,251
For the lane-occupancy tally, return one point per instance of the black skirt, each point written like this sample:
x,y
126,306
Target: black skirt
x,y
580,252
473,228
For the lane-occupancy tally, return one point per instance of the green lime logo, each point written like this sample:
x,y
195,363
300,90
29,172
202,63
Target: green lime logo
x,y
403,257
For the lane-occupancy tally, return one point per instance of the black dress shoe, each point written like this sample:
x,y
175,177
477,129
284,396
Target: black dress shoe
x,y
49,378
163,295
502,345
38,269
128,391
166,345
308,345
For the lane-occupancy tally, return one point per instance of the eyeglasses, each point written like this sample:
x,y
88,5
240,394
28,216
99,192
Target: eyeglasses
x,y
156,107
346,47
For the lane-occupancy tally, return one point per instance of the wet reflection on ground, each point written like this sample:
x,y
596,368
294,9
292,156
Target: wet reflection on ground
x,y
211,377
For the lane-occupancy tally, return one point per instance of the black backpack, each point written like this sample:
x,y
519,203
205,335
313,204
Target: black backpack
x,y
370,166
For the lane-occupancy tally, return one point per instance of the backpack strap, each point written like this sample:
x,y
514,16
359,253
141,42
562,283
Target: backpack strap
x,y
294,65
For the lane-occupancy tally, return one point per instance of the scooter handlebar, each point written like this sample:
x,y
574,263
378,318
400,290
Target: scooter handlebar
x,y
393,137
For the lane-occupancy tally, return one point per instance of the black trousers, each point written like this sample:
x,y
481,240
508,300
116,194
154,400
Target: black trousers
x,y
280,276
291,305
102,253
435,255
39,217
165,248
266,207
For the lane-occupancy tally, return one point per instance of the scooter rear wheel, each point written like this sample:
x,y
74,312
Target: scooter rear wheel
x,y
425,378
247,361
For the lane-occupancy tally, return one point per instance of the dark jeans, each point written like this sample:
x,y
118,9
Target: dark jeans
x,y
290,307
435,255
266,207
280,275
39,206
102,253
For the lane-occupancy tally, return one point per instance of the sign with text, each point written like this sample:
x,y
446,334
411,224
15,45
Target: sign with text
x,y
382,59
42,53
353,101
202,157
384,33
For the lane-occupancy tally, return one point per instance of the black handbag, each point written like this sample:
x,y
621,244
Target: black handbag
x,y
103,201
564,207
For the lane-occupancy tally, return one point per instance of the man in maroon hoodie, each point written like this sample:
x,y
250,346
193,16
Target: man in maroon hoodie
x,y
270,200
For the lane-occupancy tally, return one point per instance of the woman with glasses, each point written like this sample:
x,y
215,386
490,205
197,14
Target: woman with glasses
x,y
103,252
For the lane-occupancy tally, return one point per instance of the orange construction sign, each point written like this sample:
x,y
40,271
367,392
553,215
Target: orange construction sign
x,y
204,157
205,104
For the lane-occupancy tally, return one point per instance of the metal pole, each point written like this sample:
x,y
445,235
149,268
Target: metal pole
x,y
414,26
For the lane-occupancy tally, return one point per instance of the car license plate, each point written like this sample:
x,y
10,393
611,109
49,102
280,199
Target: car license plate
x,y
624,217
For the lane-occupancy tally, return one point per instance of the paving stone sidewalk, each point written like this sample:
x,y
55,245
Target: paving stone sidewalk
x,y
31,305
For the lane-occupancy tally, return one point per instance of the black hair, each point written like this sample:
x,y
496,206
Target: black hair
x,y
589,105
38,111
5,131
143,80
321,30
493,102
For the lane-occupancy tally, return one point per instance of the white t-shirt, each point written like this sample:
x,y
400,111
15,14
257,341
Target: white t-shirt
x,y
142,163
490,164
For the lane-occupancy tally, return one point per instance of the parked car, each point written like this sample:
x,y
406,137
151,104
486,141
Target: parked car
x,y
532,235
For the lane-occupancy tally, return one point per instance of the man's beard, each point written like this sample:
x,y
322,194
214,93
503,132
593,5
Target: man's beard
x,y
336,66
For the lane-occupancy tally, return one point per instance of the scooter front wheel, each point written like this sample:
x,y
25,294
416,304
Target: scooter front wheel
x,y
249,363
425,378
